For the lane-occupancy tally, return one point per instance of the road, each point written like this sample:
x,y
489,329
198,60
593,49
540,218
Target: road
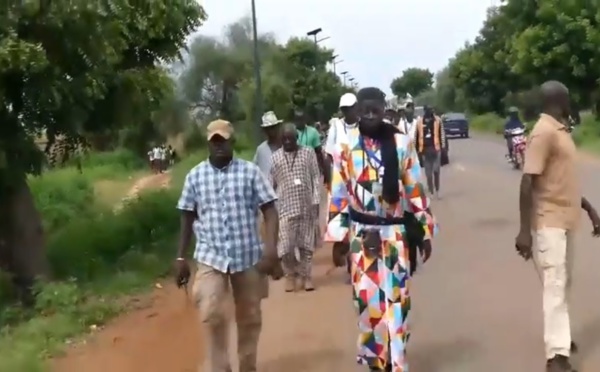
x,y
476,305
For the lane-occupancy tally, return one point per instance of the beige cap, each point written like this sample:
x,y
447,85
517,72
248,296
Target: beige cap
x,y
220,127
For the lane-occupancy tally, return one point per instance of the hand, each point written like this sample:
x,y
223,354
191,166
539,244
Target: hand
x,y
595,224
425,249
182,273
339,252
315,210
523,244
268,265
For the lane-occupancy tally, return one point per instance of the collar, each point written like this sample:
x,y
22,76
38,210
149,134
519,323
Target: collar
x,y
226,167
555,123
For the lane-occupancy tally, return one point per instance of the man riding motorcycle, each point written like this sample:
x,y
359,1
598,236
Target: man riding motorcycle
x,y
512,124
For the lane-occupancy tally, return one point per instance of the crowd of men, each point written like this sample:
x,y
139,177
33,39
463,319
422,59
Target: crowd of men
x,y
160,157
379,214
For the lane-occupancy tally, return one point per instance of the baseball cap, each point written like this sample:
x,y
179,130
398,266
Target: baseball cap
x,y
220,127
347,100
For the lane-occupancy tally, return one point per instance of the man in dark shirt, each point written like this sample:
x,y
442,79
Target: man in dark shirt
x,y
430,140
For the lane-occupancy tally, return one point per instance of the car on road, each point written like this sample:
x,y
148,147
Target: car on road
x,y
456,124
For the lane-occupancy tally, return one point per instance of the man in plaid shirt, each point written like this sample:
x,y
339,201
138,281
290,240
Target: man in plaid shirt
x,y
219,203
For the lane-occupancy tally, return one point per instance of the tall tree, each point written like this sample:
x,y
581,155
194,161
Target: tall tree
x,y
413,81
68,69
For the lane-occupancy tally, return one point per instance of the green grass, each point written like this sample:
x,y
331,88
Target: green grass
x,y
98,260
586,135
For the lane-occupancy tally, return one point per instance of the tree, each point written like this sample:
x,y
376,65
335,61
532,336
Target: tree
x,y
413,81
522,44
68,70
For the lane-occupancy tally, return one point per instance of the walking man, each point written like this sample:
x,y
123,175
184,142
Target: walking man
x,y
264,152
430,140
340,129
408,121
550,202
224,194
309,137
295,177
371,210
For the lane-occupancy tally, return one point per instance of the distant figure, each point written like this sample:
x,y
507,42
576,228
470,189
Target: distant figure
x,y
430,141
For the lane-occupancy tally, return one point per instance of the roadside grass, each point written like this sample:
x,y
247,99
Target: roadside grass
x,y
586,135
99,262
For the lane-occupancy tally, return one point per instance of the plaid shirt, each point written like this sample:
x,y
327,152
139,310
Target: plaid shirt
x,y
226,202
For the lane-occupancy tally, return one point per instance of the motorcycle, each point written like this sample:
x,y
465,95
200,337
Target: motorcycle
x,y
519,142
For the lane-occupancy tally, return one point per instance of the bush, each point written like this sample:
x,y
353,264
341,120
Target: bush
x,y
61,196
88,248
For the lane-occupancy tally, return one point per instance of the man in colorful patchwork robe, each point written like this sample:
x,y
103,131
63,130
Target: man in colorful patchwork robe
x,y
376,228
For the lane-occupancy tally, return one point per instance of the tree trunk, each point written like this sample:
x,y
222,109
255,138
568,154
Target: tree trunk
x,y
22,241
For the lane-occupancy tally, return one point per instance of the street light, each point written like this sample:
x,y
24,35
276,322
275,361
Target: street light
x,y
325,38
259,103
335,63
344,73
313,33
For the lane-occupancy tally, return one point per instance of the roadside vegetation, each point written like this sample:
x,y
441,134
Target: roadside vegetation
x,y
74,141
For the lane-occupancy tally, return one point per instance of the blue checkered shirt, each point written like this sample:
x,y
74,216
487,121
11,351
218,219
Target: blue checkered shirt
x,y
226,202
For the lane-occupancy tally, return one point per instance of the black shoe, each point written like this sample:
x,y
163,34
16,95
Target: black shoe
x,y
559,363
574,348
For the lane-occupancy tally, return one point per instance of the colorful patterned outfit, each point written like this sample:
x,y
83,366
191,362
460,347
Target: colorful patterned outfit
x,y
381,281
295,176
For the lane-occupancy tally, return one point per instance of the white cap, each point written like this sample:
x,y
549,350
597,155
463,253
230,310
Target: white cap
x,y
347,100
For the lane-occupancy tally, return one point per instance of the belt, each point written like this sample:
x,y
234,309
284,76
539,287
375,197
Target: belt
x,y
369,219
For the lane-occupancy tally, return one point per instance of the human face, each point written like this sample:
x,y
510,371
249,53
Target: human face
x,y
349,113
390,115
273,133
371,112
409,110
289,140
300,119
220,148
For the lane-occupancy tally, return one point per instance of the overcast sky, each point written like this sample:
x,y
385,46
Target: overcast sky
x,y
377,39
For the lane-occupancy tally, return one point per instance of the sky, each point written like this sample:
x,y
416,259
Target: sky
x,y
376,39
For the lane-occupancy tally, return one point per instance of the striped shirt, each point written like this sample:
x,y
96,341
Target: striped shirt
x,y
226,202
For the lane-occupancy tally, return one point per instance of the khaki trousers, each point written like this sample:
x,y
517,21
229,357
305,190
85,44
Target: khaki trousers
x,y
211,291
554,254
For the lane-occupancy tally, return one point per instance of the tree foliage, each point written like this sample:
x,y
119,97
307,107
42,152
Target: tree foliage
x,y
219,80
413,81
74,70
522,44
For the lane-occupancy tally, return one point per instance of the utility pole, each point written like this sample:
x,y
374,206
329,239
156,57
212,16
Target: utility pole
x,y
257,77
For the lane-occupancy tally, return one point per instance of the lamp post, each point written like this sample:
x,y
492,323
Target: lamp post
x,y
257,77
344,73
313,33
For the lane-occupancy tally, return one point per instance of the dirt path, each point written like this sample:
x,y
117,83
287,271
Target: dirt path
x,y
476,305
147,182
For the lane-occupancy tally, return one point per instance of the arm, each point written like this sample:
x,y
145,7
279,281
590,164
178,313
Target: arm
x,y
314,176
316,144
589,209
442,134
536,156
265,198
338,221
417,201
187,206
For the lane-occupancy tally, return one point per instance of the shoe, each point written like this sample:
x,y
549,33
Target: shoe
x,y
574,347
290,284
308,285
559,363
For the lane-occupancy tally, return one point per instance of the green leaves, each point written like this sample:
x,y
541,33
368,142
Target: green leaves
x,y
524,43
77,68
413,81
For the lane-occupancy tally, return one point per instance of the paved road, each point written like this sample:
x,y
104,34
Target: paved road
x,y
477,306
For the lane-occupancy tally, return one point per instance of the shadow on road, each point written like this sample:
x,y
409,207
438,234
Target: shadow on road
x,y
304,361
442,356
